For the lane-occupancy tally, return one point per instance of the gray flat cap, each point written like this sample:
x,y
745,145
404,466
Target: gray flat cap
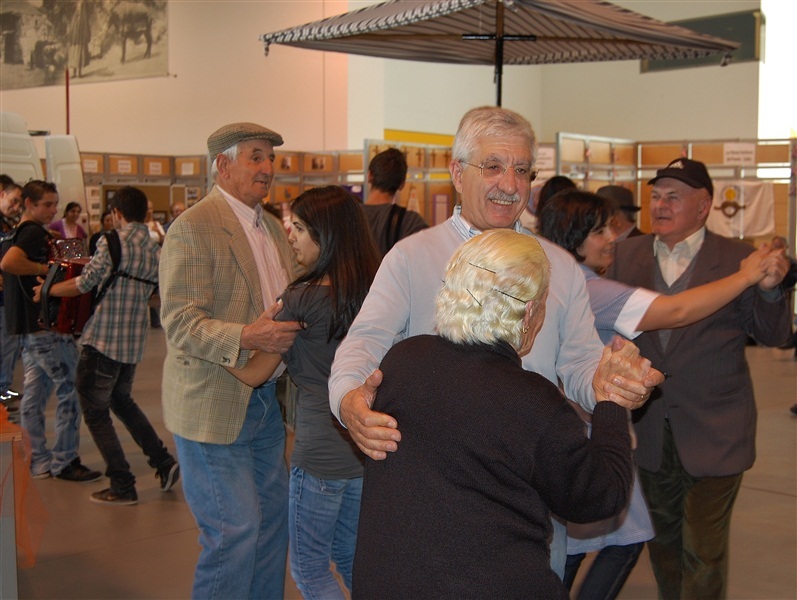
x,y
229,135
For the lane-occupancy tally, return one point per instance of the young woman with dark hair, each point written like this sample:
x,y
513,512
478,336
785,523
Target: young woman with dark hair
x,y
333,242
68,227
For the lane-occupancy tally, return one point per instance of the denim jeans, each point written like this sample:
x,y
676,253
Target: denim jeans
x,y
50,360
238,494
323,519
607,574
9,353
104,385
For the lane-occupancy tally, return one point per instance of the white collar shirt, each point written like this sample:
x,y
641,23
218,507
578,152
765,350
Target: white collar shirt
x,y
272,275
673,263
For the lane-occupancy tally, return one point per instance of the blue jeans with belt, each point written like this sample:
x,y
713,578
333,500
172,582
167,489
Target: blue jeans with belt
x,y
50,360
238,494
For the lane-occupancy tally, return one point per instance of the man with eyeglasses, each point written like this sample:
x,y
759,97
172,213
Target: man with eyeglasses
x,y
492,169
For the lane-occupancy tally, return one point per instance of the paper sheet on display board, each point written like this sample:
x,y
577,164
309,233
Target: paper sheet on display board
x,y
743,209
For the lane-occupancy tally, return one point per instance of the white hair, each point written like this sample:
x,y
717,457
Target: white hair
x,y
231,153
490,121
488,283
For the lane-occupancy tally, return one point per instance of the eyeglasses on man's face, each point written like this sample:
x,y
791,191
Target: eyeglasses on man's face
x,y
494,169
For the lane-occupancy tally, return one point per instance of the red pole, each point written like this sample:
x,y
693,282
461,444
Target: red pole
x,y
66,72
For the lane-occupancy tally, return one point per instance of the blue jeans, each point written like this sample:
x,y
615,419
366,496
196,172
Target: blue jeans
x,y
9,353
608,572
238,494
323,519
104,385
50,360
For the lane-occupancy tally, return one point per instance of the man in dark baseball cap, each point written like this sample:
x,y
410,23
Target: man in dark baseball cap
x,y
223,264
692,172
696,437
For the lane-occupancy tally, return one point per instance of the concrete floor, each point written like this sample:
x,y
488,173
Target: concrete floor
x,y
149,550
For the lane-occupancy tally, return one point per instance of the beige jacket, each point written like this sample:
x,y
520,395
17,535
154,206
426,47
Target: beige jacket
x,y
209,290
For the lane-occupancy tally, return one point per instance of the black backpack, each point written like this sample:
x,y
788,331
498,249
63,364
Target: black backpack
x,y
393,228
115,250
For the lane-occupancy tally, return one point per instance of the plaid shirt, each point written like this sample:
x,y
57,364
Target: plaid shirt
x,y
118,329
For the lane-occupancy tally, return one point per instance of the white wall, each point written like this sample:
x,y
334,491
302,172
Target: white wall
x,y
329,101
218,75
616,99
778,93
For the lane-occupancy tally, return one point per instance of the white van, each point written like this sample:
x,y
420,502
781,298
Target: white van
x,y
19,159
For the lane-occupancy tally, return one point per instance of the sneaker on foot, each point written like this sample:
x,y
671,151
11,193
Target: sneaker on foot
x,y
168,475
109,497
11,394
75,471
42,475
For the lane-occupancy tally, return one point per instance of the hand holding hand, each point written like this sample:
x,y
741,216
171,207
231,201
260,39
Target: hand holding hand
x,y
375,433
753,267
776,266
623,376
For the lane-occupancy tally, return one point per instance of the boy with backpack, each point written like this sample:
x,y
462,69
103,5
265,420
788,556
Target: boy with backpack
x,y
125,269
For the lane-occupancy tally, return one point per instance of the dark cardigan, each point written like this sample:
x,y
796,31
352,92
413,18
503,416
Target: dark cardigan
x,y
462,508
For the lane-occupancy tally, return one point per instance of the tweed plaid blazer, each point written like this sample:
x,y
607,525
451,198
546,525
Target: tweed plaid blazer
x,y
708,396
209,290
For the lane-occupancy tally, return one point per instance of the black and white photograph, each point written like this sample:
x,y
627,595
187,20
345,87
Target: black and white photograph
x,y
91,40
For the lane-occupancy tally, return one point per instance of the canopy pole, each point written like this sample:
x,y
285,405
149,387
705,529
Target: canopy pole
x,y
499,50
499,46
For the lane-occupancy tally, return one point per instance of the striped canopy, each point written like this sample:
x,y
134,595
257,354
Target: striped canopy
x,y
500,32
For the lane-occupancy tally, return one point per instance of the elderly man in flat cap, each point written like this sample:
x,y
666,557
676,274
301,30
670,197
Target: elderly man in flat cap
x,y
222,266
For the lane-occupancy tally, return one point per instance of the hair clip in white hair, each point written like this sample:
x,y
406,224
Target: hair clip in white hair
x,y
495,288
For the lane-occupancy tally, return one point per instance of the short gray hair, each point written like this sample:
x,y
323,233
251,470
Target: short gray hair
x,y
231,153
490,121
487,285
